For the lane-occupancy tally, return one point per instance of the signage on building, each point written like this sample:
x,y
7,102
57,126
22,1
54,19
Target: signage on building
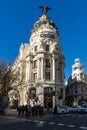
x,y
47,35
32,97
48,97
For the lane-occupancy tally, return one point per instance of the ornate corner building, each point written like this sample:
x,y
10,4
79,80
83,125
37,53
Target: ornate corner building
x,y
76,88
40,68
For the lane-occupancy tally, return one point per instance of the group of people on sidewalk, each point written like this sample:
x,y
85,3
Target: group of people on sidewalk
x,y
26,110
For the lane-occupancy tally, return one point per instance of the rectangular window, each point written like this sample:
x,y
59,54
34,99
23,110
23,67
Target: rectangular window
x,y
36,48
35,64
35,76
47,63
47,75
46,90
47,47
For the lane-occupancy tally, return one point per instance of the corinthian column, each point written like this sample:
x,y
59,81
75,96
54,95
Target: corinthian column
x,y
53,68
38,68
54,88
42,67
28,70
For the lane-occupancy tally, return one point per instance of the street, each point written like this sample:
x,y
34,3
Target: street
x,y
70,121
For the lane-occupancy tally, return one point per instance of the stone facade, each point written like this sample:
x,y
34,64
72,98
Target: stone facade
x,y
76,87
40,68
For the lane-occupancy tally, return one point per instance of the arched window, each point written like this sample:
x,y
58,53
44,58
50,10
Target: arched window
x,y
33,91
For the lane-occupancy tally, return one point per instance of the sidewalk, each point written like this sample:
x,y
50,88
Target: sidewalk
x,y
11,112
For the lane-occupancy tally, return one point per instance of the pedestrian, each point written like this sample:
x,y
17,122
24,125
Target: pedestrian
x,y
26,110
41,113
23,110
55,110
19,110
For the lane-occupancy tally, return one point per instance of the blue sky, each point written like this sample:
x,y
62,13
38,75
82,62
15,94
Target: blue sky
x,y
18,16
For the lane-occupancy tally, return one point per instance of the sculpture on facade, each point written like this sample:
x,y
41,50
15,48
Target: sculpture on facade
x,y
44,9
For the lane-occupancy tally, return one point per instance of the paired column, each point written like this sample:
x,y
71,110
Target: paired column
x,y
38,69
42,68
54,88
53,68
28,73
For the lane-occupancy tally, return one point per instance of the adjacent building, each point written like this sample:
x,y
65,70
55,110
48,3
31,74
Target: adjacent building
x,y
76,87
40,67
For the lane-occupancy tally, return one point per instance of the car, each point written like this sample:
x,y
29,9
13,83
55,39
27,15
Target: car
x,y
82,108
63,109
74,108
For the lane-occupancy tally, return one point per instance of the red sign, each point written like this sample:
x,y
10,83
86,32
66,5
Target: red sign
x,y
48,97
32,97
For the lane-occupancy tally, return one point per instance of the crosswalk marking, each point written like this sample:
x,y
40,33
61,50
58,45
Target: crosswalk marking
x,y
36,121
42,122
60,124
50,123
85,128
28,120
71,125
23,119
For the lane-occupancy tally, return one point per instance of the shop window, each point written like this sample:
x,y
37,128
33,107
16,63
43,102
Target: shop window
x,y
48,98
48,91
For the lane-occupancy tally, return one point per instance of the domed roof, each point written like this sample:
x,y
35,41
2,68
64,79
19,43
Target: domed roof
x,y
44,29
44,19
77,60
77,64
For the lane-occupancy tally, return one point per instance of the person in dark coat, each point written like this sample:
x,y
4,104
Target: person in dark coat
x,y
23,110
19,110
55,110
41,113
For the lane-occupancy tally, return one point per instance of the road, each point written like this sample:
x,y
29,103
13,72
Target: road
x,y
70,121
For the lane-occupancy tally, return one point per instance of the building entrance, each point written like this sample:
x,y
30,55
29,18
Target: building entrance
x,y
32,97
48,97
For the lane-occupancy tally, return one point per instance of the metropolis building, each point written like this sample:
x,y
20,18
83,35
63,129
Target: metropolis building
x,y
40,67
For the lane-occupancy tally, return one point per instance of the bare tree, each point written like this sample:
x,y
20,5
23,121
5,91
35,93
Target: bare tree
x,y
5,78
